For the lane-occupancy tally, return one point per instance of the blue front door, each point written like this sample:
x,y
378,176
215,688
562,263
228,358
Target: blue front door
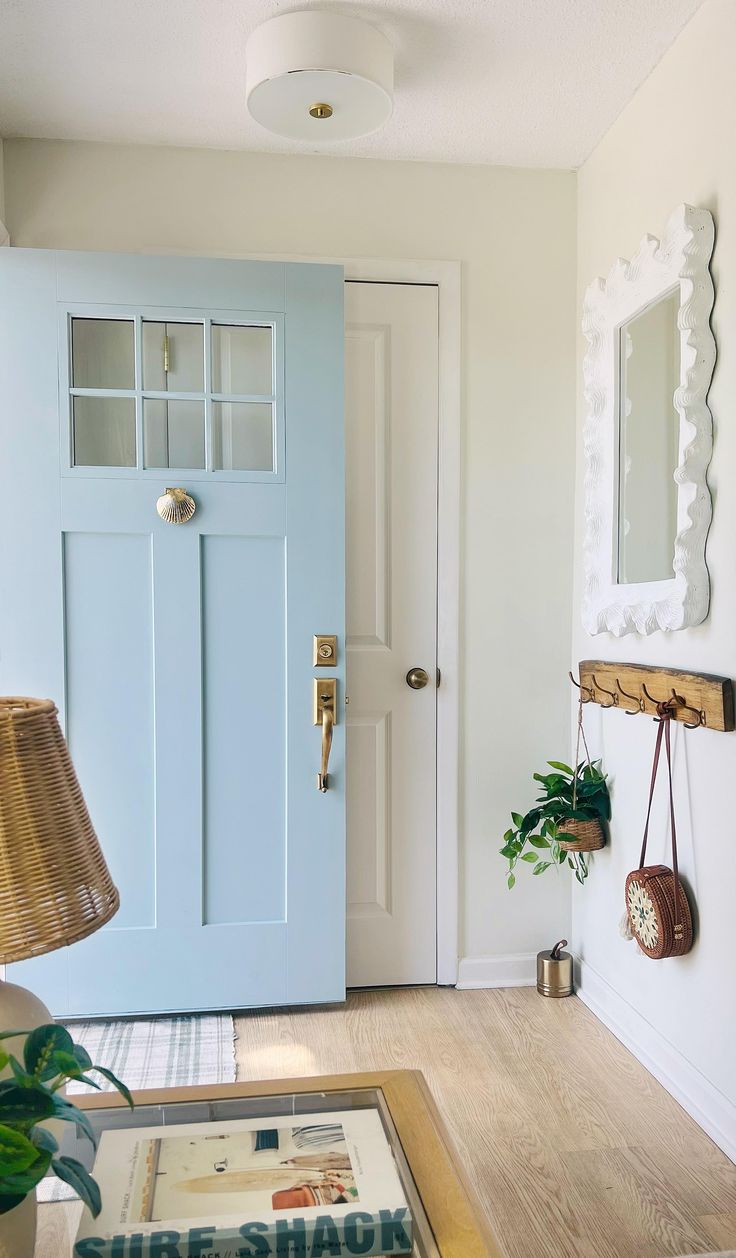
x,y
180,655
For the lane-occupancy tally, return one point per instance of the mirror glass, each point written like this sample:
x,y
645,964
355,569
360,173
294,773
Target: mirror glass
x,y
649,432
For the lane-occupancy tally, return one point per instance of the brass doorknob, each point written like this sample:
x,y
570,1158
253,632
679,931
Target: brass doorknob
x,y
417,678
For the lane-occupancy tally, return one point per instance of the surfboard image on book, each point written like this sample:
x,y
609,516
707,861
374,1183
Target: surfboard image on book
x,y
300,1186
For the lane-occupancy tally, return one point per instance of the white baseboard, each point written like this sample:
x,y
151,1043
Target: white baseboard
x,y
507,970
702,1101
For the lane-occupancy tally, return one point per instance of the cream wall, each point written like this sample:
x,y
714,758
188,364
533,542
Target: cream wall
x,y
515,234
3,232
673,143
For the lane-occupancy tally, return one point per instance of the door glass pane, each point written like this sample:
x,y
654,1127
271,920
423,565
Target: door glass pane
x,y
173,433
104,431
241,360
173,357
243,436
103,354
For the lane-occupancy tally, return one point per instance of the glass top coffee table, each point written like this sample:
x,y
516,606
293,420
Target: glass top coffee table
x,y
448,1220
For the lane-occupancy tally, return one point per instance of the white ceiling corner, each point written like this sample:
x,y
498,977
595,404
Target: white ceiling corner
x,y
512,82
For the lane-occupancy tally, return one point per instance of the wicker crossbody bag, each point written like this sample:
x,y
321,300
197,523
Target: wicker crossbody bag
x,y
657,906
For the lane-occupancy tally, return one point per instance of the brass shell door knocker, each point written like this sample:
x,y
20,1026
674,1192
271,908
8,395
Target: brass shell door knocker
x,y
176,506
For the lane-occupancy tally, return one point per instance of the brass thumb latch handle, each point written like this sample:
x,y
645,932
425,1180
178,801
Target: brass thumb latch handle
x,y
327,723
325,694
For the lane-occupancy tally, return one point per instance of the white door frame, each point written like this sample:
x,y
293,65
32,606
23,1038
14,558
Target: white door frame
x,y
447,276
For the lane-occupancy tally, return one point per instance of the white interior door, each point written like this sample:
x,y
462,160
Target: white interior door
x,y
391,537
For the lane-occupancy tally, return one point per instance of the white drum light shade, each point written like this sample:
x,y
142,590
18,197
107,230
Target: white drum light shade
x,y
338,67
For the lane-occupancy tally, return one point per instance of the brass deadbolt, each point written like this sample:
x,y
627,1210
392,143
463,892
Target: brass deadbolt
x,y
320,110
325,649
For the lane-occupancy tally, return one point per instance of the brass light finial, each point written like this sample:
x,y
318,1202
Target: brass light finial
x,y
320,110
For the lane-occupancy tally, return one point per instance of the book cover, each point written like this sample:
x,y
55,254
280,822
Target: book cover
x,y
301,1186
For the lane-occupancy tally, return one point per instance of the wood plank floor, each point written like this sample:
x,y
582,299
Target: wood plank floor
x,y
576,1151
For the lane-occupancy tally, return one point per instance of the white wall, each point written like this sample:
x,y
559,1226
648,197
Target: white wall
x,y
4,238
515,234
673,143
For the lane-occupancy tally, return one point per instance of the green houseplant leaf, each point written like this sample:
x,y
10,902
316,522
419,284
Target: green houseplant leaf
x,y
20,1074
23,1107
43,1139
68,1113
79,1178
40,1048
8,1201
82,1056
17,1152
107,1074
25,1181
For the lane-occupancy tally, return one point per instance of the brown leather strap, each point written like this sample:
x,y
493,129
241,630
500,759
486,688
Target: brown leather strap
x,y
675,871
655,766
664,729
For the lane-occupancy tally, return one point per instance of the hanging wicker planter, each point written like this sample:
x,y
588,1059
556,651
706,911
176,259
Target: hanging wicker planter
x,y
589,835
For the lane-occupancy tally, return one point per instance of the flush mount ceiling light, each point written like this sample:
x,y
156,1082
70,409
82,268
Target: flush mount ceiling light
x,y
319,76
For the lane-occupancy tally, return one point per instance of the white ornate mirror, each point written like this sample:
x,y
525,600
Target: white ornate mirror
x,y
648,433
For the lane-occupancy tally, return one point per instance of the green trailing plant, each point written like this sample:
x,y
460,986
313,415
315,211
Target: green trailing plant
x,y
28,1099
566,795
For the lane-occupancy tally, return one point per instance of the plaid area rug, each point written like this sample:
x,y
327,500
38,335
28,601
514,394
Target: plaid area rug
x,y
160,1052
153,1053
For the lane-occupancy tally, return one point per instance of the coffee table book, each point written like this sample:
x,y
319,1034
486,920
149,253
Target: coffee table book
x,y
301,1186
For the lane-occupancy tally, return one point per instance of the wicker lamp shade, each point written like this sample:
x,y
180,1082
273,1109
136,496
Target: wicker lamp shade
x,y
55,887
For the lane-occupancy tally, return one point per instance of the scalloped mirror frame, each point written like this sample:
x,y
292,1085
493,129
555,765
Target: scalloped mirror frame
x,y
681,258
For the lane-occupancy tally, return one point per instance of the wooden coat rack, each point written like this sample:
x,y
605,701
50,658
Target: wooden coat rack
x,y
696,699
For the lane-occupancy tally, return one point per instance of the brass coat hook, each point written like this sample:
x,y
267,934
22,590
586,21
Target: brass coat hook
x,y
612,693
675,703
678,701
664,706
637,699
590,693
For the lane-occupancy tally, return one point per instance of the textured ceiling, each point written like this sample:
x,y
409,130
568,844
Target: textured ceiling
x,y
516,82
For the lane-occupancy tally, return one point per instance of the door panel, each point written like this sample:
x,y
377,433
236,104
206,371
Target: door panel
x,y
369,804
368,364
391,435
108,606
180,656
244,777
